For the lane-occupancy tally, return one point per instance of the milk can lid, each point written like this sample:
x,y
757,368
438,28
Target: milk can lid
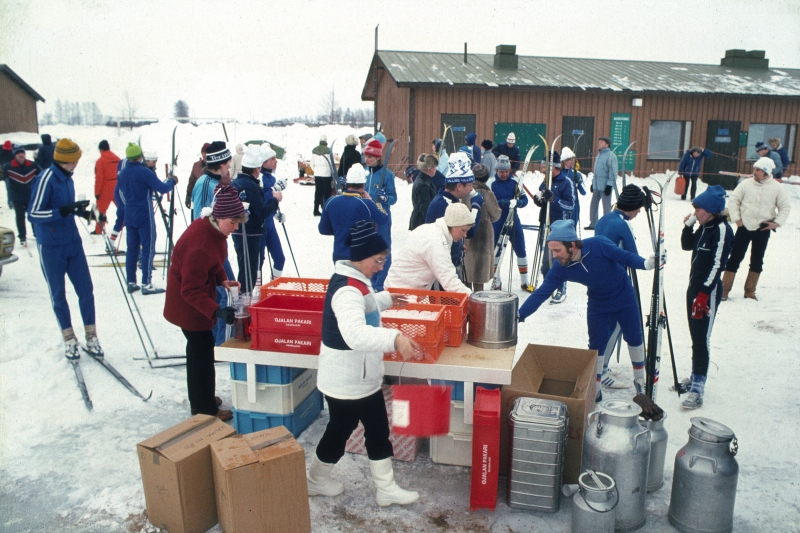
x,y
709,430
493,296
620,408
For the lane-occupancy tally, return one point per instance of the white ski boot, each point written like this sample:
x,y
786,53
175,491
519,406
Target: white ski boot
x,y
319,480
93,347
609,382
559,296
388,491
151,289
71,350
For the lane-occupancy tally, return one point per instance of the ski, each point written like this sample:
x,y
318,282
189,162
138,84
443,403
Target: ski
x,y
441,145
76,366
114,372
541,252
386,161
624,161
334,172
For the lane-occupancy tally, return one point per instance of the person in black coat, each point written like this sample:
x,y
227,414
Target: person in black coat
x,y
44,156
510,150
424,190
19,174
350,156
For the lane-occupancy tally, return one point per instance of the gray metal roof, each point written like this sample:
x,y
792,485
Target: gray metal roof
x,y
410,69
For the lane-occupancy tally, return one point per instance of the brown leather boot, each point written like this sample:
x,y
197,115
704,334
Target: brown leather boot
x,y
727,283
750,285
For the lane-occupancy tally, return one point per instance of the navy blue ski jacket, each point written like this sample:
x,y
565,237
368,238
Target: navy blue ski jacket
x,y
564,201
711,245
250,192
341,212
511,151
689,166
137,183
614,227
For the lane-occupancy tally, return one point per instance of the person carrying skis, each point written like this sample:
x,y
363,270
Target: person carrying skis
x,y
320,159
195,275
555,203
510,150
381,188
19,174
604,181
52,212
424,190
615,226
343,211
444,159
458,188
756,206
599,265
507,191
137,185
568,168
689,168
711,245
273,196
351,368
105,181
248,236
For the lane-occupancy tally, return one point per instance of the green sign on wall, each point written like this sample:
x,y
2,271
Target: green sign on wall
x,y
527,135
621,138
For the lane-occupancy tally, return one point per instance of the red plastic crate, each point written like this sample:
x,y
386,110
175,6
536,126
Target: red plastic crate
x,y
485,449
273,341
454,336
284,313
428,353
427,331
299,287
456,303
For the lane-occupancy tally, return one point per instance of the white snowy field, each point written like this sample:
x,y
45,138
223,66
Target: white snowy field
x,y
63,468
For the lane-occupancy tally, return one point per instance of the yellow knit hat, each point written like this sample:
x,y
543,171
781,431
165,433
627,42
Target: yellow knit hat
x,y
67,151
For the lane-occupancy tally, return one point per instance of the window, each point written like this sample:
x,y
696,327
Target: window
x,y
669,139
787,133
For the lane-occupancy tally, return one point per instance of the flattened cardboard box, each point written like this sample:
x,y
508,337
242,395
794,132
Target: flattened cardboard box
x,y
177,475
554,373
261,485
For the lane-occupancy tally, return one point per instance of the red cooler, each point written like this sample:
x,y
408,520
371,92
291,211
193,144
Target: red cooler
x,y
485,449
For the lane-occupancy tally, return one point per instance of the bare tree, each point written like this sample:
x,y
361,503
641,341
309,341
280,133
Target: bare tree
x,y
330,113
129,111
181,109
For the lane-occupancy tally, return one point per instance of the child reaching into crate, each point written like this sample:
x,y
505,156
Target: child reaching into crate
x,y
351,368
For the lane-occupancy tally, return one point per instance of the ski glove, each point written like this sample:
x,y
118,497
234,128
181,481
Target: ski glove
x,y
279,186
512,204
476,202
75,208
280,217
548,195
380,192
227,314
700,306
607,191
650,262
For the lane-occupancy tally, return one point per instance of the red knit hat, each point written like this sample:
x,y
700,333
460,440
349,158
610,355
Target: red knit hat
x,y
7,145
374,148
226,202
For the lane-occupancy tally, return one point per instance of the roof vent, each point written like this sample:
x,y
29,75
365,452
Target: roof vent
x,y
744,59
506,57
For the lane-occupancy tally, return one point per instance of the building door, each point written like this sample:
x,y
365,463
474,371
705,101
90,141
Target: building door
x,y
723,140
527,135
460,125
578,134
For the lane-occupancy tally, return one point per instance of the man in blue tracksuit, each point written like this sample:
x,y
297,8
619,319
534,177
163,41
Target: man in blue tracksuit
x,y
273,192
605,179
474,152
571,173
52,212
341,212
380,186
509,195
458,187
137,188
218,163
615,227
556,203
689,168
600,265
248,247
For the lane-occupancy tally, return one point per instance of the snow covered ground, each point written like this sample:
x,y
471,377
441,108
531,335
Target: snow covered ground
x,y
63,468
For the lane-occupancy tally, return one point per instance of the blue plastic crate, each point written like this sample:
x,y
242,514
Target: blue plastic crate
x,y
458,388
297,422
277,375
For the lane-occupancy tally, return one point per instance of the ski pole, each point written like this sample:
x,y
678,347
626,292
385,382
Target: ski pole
x,y
671,351
289,244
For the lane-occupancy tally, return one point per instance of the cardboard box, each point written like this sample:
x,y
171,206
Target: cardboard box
x,y
405,447
177,476
554,373
261,483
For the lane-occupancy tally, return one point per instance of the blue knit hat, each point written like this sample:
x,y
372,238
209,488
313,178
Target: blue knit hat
x,y
364,242
712,200
563,231
381,137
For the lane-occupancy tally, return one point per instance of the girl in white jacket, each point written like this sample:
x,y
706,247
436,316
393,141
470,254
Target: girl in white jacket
x,y
425,257
351,367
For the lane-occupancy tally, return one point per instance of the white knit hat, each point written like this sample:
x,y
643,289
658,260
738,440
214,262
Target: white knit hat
x,y
511,138
356,174
151,155
766,164
566,153
267,152
458,214
253,156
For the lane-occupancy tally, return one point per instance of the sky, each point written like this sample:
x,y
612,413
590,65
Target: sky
x,y
262,60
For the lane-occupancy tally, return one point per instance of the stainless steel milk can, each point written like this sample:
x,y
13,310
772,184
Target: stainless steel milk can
x,y
594,503
493,319
658,452
704,479
615,443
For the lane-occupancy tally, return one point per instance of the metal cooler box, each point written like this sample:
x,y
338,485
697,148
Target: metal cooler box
x,y
538,437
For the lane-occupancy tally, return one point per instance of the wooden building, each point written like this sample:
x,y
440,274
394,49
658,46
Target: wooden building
x,y
18,103
664,108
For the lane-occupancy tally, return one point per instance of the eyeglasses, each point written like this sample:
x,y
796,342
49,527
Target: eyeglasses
x,y
379,262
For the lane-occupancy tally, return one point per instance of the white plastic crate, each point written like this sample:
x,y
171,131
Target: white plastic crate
x,y
452,449
274,399
457,424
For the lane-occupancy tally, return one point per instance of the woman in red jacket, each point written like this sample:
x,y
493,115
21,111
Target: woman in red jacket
x,y
105,180
195,273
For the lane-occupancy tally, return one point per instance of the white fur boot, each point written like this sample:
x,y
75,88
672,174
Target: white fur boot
x,y
319,479
388,491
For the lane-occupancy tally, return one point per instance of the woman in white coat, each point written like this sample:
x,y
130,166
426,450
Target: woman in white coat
x,y
351,368
425,257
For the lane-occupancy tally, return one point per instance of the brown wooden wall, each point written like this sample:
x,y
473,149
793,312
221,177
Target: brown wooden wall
x,y
17,107
507,105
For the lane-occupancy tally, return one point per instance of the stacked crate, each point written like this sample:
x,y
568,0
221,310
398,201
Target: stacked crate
x,y
455,311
